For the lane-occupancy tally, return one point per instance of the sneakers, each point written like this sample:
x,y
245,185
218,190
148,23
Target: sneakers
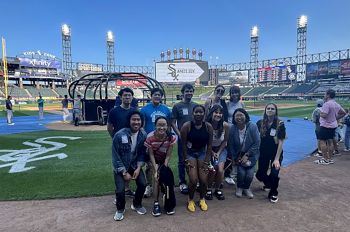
x,y
319,155
230,181
248,193
148,191
129,193
266,188
156,210
183,188
219,195
273,199
140,210
203,205
347,149
171,212
321,161
115,201
191,206
11,124
209,195
336,153
239,192
330,161
119,215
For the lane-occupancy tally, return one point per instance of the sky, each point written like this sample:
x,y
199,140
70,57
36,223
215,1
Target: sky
x,y
143,28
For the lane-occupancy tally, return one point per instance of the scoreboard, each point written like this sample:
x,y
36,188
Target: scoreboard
x,y
280,72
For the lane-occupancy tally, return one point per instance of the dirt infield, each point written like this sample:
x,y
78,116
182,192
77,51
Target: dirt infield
x,y
67,126
312,198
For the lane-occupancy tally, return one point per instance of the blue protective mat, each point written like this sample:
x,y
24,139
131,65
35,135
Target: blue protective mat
x,y
28,123
301,141
300,144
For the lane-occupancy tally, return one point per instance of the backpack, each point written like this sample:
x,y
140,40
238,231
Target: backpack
x,y
347,120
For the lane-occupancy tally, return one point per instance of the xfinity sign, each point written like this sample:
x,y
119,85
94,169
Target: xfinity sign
x,y
178,71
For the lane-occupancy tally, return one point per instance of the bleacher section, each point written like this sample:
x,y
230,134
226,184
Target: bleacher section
x,y
244,90
257,91
15,92
299,89
61,92
275,90
43,92
339,88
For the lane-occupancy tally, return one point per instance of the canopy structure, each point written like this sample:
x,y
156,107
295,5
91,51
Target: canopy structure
x,y
94,89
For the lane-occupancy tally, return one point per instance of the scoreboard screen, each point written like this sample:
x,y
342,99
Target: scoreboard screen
x,y
275,73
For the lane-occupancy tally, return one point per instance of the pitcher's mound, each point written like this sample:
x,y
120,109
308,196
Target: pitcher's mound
x,y
67,126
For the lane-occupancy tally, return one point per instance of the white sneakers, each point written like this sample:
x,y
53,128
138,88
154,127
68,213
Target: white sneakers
x,y
230,181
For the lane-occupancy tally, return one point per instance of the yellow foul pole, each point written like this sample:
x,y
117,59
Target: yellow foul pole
x,y
5,64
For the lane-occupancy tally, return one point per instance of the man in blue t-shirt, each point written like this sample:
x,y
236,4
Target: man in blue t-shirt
x,y
150,113
117,121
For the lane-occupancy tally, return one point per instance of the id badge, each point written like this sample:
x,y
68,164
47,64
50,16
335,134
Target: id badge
x,y
273,132
185,111
124,139
189,144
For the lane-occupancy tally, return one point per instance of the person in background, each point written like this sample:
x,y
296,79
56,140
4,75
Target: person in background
x,y
346,125
182,113
77,110
243,146
331,112
316,114
233,104
160,144
272,133
40,102
128,153
219,92
117,121
9,111
65,108
197,139
134,102
150,113
342,125
221,131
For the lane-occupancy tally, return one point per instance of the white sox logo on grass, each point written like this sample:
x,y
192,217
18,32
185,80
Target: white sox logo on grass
x,y
17,159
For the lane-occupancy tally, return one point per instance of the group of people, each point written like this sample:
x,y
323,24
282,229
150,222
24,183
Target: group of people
x,y
210,138
328,116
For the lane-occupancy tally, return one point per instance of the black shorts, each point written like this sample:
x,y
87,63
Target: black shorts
x,y
326,133
317,133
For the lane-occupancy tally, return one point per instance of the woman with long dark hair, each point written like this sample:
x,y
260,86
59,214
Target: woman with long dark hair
x,y
219,91
197,139
273,134
243,146
160,145
221,131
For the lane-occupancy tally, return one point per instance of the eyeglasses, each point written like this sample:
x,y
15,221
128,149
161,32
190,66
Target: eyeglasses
x,y
220,91
161,125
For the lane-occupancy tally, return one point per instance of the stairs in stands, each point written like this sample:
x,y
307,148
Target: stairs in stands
x,y
28,92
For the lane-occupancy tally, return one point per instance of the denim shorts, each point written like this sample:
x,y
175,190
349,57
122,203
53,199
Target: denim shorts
x,y
198,155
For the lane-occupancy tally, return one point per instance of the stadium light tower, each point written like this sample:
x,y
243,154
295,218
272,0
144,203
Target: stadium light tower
x,y
66,48
110,52
301,48
254,49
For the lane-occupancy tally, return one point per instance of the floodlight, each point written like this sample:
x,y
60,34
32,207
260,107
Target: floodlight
x,y
254,32
110,36
65,30
302,21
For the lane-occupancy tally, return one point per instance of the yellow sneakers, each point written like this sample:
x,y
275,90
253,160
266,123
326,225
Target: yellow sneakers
x,y
203,205
191,206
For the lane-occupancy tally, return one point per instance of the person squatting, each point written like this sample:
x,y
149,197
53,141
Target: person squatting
x,y
210,139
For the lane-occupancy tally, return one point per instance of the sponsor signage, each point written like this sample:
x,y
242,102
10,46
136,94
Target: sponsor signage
x,y
232,77
130,82
345,67
40,63
181,71
276,71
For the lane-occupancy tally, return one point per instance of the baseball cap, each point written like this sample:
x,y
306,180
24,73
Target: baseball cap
x,y
319,102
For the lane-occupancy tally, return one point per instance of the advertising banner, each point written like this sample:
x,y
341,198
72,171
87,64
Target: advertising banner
x,y
322,68
40,63
334,67
233,77
130,82
311,70
345,67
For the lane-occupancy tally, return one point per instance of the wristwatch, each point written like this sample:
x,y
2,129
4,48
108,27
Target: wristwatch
x,y
124,173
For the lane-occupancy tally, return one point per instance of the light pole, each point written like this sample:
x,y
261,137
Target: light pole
x,y
67,50
254,47
301,48
216,61
110,52
210,61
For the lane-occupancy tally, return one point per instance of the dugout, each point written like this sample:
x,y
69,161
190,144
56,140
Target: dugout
x,y
98,96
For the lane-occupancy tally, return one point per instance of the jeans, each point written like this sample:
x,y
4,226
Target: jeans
x,y
196,155
120,189
347,137
271,180
245,176
9,116
149,173
41,112
181,163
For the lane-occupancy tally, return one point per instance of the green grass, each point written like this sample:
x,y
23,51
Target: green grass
x,y
87,171
23,113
